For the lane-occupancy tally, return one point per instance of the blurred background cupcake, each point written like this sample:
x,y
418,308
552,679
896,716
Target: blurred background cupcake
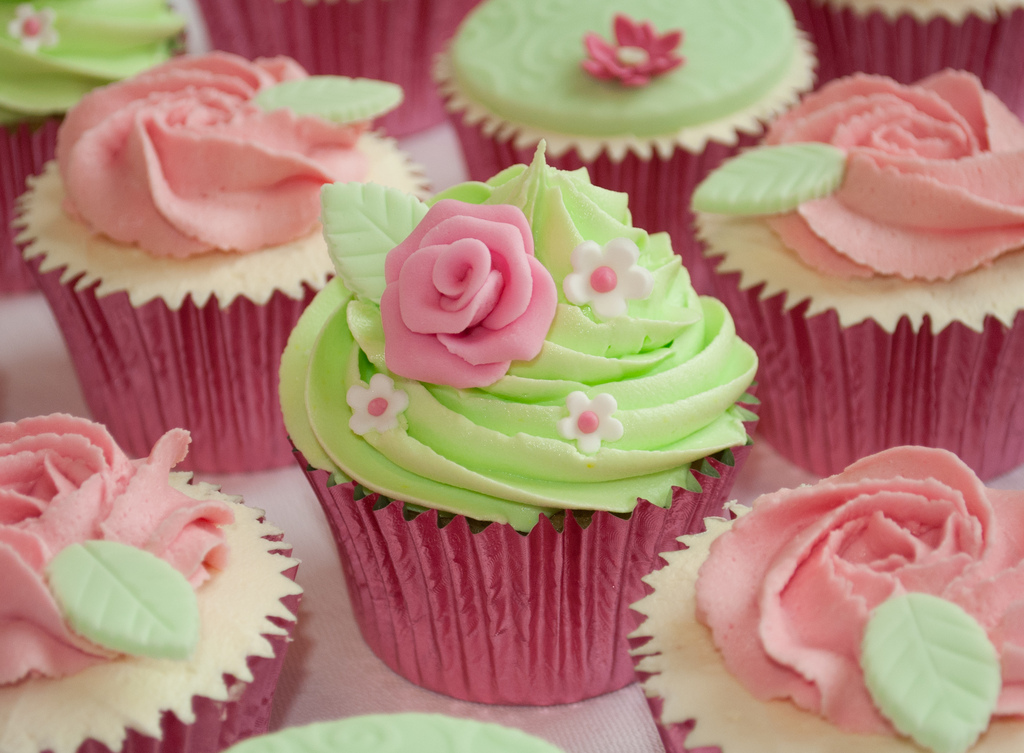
x,y
177,239
142,613
649,96
872,256
390,40
873,610
435,733
508,404
909,39
52,53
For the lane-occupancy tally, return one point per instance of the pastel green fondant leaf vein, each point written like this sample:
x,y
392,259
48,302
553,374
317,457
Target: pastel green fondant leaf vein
x,y
931,670
125,599
336,98
772,179
362,222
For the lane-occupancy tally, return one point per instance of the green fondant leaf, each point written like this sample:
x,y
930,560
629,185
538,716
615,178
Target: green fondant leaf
x,y
337,478
362,222
931,670
337,98
125,599
707,469
772,179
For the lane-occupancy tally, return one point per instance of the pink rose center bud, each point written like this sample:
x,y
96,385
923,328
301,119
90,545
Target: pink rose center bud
x,y
603,279
32,26
377,406
628,55
588,422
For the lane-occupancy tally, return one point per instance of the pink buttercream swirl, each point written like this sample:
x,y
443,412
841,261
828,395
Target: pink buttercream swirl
x,y
179,161
787,592
932,185
465,296
64,481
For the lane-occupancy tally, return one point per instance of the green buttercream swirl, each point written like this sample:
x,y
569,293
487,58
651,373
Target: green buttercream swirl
x,y
100,41
673,364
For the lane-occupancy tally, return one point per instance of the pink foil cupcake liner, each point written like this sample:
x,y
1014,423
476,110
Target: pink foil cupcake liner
x,y
659,188
497,616
392,40
147,369
907,49
832,394
24,149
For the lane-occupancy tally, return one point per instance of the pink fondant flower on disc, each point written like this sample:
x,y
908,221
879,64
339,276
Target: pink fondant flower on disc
x,y
34,29
465,296
638,55
377,406
606,277
590,421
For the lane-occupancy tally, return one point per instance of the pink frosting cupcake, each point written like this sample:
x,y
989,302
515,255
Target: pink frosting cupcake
x,y
391,40
910,39
177,236
872,256
141,612
875,610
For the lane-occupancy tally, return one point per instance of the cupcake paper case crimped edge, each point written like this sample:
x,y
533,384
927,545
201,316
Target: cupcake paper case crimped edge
x,y
496,616
238,608
63,242
954,10
748,246
692,138
687,674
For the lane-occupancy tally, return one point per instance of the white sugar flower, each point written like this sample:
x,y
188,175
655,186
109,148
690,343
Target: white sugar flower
x,y
606,277
34,28
590,421
377,406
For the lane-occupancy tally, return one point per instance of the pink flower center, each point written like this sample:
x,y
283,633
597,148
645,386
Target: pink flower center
x,y
588,422
603,279
31,26
632,56
377,406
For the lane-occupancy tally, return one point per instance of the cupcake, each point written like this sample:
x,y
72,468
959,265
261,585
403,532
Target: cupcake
x,y
50,55
435,733
875,610
502,402
871,254
908,40
648,102
392,40
142,613
177,238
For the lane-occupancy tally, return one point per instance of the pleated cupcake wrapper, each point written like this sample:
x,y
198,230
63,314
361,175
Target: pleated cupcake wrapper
x,y
832,394
211,370
392,40
673,736
496,616
24,149
220,724
659,188
908,49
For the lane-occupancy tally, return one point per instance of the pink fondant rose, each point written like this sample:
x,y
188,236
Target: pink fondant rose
x,y
465,296
788,591
179,161
64,481
933,180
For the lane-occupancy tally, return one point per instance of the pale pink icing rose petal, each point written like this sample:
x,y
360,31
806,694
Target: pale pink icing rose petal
x,y
64,481
180,162
931,188
465,296
801,573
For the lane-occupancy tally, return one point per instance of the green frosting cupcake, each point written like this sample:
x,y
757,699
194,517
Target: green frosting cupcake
x,y
52,52
397,733
612,381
